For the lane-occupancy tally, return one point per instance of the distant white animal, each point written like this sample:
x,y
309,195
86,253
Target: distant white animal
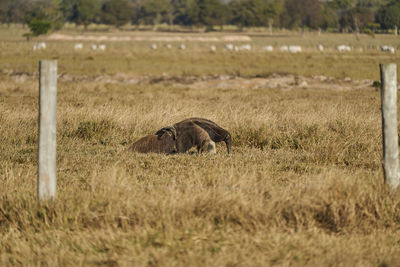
x,y
343,48
229,47
245,47
387,48
320,47
93,47
169,46
102,47
284,48
213,48
39,46
182,47
154,46
78,46
268,48
294,48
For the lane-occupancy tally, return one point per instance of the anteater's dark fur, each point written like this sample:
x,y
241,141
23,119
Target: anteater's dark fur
x,y
215,132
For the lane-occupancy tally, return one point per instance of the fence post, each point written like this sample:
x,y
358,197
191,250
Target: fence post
x,y
389,124
47,129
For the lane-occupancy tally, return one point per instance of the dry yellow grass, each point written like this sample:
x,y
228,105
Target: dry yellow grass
x,y
303,185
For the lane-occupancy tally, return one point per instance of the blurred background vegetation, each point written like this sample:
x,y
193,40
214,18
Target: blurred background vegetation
x,y
365,16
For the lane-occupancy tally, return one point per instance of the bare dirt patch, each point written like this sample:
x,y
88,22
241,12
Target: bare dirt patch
x,y
274,81
284,82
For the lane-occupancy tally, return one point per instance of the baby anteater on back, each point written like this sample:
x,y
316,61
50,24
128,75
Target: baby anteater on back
x,y
162,142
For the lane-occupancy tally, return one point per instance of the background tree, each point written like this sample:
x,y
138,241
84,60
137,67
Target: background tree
x,y
18,11
170,13
14,11
116,12
86,12
329,17
343,4
136,12
186,12
356,19
243,13
211,13
346,15
4,11
45,10
273,10
153,11
302,13
363,16
389,15
39,26
67,9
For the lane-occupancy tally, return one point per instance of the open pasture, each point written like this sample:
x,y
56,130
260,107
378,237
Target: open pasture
x,y
303,185
137,58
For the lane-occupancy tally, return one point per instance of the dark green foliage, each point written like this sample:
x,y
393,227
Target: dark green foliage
x,y
45,10
302,13
329,17
389,15
39,27
342,4
67,8
85,12
255,12
376,84
211,12
116,12
153,12
186,12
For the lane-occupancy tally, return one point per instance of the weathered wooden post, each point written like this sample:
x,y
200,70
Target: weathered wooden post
x,y
47,129
389,124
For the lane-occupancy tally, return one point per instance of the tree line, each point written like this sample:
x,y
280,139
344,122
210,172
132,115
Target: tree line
x,y
334,15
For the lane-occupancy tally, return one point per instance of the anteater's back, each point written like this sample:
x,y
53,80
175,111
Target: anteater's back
x,y
153,144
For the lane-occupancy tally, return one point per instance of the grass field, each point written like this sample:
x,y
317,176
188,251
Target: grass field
x,y
137,58
303,186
